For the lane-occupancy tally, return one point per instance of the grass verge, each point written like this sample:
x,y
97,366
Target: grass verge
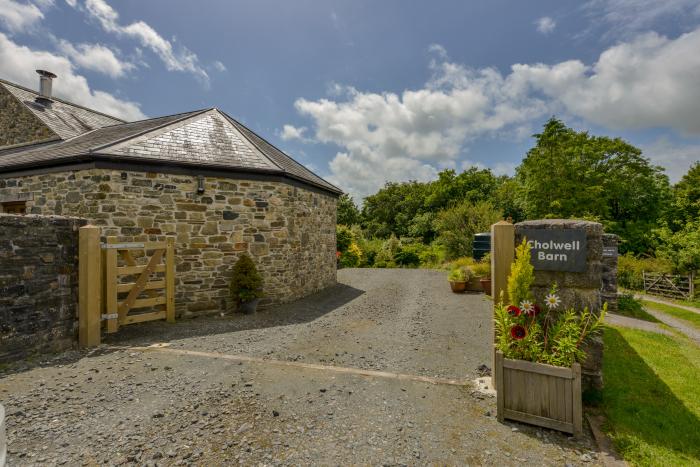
x,y
651,397
691,318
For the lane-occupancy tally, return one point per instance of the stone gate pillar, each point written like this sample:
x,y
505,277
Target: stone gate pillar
x,y
570,253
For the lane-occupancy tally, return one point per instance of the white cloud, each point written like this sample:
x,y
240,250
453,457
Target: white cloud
x,y
17,64
96,57
180,60
411,135
220,67
649,82
545,25
675,158
290,132
438,50
19,16
624,18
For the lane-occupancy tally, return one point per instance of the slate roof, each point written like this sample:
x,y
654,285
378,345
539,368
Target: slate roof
x,y
206,138
63,118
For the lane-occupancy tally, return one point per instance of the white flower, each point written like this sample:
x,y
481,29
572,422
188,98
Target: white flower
x,y
552,301
527,307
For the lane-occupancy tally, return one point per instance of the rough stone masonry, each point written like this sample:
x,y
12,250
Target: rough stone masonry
x,y
580,289
288,229
38,284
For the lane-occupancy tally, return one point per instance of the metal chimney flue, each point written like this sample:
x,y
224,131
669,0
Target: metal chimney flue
x,y
45,83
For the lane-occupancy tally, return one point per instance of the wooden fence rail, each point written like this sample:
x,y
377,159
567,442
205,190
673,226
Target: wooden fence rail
x,y
669,285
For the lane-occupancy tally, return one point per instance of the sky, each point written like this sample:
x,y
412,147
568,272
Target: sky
x,y
365,92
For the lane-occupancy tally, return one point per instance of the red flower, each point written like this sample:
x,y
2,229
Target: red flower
x,y
337,254
514,310
518,332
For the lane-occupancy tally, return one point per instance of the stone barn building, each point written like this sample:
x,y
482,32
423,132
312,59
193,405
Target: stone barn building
x,y
200,176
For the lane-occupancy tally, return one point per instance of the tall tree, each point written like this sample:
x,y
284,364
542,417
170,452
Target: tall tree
x,y
573,174
686,199
347,214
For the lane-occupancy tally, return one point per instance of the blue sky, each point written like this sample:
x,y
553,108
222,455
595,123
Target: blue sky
x,y
364,92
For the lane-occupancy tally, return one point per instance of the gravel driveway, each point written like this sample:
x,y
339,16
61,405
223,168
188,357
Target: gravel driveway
x,y
371,371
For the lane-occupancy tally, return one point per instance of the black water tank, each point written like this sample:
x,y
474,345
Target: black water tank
x,y
482,245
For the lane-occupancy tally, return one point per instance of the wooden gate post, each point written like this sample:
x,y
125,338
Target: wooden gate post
x,y
502,256
89,286
170,280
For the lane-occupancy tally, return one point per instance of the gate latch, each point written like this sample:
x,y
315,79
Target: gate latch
x,y
110,316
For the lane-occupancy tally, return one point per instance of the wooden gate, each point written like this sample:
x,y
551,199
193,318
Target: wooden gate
x,y
669,285
131,285
123,283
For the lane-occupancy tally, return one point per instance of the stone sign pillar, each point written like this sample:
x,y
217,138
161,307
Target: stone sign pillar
x,y
570,253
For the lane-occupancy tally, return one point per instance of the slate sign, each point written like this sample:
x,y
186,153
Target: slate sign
x,y
610,251
557,250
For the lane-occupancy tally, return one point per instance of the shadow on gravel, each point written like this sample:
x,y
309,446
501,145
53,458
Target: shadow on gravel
x,y
301,311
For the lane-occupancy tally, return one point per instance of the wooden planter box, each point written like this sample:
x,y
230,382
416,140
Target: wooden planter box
x,y
538,394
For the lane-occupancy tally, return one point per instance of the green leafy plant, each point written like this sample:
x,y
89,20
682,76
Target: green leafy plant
x,y
458,275
343,238
246,281
482,269
526,332
407,255
522,274
630,270
352,257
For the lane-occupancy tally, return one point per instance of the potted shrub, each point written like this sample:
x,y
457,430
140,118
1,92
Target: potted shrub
x,y
458,278
246,285
486,269
538,354
480,271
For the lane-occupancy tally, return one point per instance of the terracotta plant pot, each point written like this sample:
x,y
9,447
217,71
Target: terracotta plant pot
x,y
486,285
458,286
474,285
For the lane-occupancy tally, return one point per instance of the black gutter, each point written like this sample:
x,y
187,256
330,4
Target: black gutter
x,y
100,161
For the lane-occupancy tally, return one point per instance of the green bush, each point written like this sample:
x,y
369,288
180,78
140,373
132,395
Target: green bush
x,y
370,249
246,282
629,270
464,261
408,255
627,305
352,257
432,255
457,225
343,238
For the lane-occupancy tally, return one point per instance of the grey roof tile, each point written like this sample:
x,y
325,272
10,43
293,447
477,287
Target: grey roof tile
x,y
207,139
82,145
287,164
204,138
65,119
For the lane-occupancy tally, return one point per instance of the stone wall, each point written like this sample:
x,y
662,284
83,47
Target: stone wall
x,y
609,287
289,231
576,289
17,124
38,284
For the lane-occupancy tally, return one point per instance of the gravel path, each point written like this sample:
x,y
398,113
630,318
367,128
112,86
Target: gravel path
x,y
259,390
651,298
678,324
634,323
